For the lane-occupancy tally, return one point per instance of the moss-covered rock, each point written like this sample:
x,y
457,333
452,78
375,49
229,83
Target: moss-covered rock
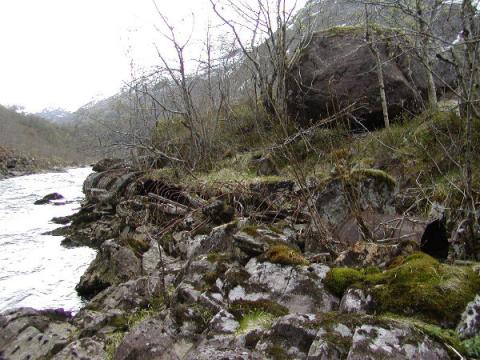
x,y
419,286
285,255
240,308
377,174
338,280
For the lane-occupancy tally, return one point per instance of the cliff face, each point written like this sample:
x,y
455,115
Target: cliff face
x,y
194,273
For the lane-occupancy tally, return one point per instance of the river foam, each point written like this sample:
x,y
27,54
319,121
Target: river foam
x,y
35,270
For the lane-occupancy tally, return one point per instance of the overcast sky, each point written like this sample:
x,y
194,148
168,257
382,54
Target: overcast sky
x,y
63,53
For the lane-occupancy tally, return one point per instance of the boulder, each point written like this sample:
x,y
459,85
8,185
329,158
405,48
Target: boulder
x,y
469,325
34,334
397,235
354,336
356,301
298,288
222,348
219,212
61,220
108,186
129,296
337,70
49,198
93,322
264,166
249,244
113,264
223,323
107,164
151,339
255,240
85,348
371,189
11,163
365,254
393,342
153,257
220,239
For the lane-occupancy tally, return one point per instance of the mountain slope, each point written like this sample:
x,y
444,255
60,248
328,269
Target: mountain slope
x,y
29,134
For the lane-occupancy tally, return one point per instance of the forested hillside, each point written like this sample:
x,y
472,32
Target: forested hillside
x,y
36,137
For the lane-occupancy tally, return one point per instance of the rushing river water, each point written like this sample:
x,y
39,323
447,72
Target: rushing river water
x,y
35,270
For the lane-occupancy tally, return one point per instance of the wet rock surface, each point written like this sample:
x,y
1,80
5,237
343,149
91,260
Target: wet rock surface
x,y
113,265
49,198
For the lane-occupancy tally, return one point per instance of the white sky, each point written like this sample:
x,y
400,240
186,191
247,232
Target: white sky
x,y
64,53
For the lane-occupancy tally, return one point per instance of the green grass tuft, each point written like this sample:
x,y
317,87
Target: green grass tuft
x,y
255,320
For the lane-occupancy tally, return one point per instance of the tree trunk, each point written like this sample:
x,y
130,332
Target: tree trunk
x,y
432,88
373,47
381,84
425,55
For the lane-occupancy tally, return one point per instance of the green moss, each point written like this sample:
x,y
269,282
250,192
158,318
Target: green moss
x,y
203,316
167,242
444,336
196,313
472,347
339,30
138,244
420,286
338,280
277,353
210,277
237,276
113,340
251,230
282,254
179,313
215,257
276,229
111,344
166,173
342,343
376,174
423,286
240,308
255,320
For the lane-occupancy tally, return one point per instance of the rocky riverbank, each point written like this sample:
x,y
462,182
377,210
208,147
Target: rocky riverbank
x,y
13,164
273,269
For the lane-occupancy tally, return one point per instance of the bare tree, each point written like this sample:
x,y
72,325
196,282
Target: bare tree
x,y
466,55
275,41
417,19
371,41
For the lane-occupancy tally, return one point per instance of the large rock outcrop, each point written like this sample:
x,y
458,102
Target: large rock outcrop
x,y
338,69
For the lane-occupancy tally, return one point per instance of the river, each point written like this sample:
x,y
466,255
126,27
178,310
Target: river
x,y
35,270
